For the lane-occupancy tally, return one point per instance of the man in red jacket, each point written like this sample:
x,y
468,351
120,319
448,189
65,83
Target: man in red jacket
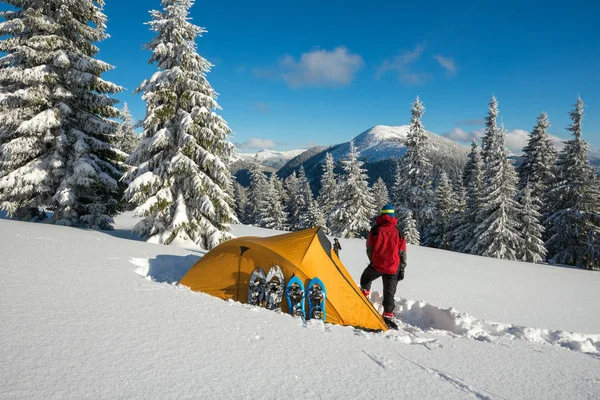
x,y
386,248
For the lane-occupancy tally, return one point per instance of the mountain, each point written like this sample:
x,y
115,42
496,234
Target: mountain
x,y
380,147
382,142
272,159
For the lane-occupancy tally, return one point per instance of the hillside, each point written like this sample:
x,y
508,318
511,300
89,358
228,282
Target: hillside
x,y
380,147
96,314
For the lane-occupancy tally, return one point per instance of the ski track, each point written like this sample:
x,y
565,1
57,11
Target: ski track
x,y
413,316
457,383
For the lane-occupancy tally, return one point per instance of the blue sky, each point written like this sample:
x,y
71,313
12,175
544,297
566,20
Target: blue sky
x,y
295,74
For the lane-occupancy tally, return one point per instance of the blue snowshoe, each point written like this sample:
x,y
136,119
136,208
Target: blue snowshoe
x,y
294,293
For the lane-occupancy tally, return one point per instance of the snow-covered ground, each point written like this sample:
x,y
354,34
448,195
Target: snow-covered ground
x,y
95,314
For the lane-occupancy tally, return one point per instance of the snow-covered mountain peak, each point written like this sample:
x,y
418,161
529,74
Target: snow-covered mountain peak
x,y
272,158
383,141
384,132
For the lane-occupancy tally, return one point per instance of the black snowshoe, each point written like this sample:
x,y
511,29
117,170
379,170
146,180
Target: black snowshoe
x,y
274,288
256,287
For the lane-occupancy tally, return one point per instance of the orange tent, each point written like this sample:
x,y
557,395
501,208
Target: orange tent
x,y
225,272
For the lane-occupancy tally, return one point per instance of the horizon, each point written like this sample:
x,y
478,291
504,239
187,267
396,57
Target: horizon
x,y
291,77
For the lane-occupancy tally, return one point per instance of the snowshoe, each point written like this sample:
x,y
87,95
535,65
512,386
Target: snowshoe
x,y
256,287
274,288
316,295
294,293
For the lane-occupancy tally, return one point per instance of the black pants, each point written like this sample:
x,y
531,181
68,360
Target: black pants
x,y
390,283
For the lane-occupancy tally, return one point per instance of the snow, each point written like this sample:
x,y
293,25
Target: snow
x,y
96,314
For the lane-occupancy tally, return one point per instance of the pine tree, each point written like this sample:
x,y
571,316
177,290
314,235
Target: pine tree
x,y
126,139
56,132
497,235
242,203
533,249
304,187
296,206
272,214
575,198
328,192
413,178
314,217
283,196
300,197
445,207
408,226
181,183
352,216
539,157
257,190
380,193
473,182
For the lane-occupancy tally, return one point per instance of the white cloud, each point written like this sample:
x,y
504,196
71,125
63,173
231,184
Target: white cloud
x,y
334,68
516,140
447,63
256,143
400,65
460,135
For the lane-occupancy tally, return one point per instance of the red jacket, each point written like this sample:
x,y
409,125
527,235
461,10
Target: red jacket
x,y
385,245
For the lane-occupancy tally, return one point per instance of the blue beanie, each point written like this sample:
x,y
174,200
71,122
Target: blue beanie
x,y
388,209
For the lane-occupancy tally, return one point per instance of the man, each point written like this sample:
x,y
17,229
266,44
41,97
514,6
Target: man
x,y
386,248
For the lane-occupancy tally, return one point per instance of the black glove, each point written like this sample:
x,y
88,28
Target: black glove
x,y
400,273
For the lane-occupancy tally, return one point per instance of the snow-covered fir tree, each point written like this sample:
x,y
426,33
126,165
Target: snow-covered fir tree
x,y
242,203
498,234
473,183
328,192
283,196
539,157
413,177
574,225
257,190
460,195
304,187
271,214
181,183
56,132
353,214
296,206
126,139
408,226
533,248
299,198
380,193
439,231
314,217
